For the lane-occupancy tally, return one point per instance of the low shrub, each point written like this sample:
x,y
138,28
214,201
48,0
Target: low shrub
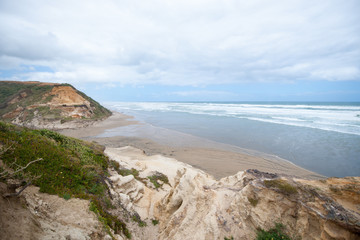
x,y
108,220
253,201
66,196
282,185
126,172
137,218
154,179
275,233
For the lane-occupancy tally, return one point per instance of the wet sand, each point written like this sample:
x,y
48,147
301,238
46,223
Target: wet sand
x,y
219,160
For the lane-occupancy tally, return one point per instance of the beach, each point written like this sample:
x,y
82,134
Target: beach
x,y
217,159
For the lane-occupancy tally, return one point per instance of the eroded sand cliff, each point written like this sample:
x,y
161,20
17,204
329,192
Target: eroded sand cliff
x,y
193,205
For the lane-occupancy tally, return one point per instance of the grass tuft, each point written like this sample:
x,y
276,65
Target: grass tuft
x,y
126,172
282,185
229,238
66,196
136,218
155,222
253,201
108,220
276,233
155,178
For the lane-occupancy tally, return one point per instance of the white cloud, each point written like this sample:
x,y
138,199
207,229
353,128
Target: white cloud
x,y
337,74
181,43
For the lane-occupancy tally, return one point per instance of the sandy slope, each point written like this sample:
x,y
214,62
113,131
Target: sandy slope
x,y
36,215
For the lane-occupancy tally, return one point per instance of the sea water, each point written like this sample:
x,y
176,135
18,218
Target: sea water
x,y
321,137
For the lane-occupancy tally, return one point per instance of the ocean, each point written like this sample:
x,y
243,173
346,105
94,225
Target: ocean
x,y
321,137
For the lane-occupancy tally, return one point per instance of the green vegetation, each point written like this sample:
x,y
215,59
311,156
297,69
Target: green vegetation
x,y
136,218
66,119
126,172
9,89
154,179
108,220
276,233
25,95
253,201
70,167
48,113
67,196
282,185
230,238
2,173
155,222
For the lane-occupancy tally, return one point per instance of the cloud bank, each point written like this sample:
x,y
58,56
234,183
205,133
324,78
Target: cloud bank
x,y
180,42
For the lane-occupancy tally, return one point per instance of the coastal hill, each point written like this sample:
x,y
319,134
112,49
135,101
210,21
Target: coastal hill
x,y
47,105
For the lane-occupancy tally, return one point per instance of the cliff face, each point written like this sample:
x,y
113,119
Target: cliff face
x,y
193,205
47,105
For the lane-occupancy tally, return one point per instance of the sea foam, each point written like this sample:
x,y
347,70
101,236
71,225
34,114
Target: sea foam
x,y
338,117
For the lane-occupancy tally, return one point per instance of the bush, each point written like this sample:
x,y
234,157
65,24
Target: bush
x,y
156,177
126,172
108,220
275,233
253,201
67,196
155,221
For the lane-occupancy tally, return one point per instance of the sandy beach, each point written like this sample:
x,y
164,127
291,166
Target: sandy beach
x,y
219,160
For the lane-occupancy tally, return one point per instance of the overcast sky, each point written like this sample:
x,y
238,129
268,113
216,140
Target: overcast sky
x,y
184,50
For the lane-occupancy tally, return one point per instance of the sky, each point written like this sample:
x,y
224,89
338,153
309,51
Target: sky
x,y
180,50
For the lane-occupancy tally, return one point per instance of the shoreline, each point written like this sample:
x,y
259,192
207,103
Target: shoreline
x,y
218,159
